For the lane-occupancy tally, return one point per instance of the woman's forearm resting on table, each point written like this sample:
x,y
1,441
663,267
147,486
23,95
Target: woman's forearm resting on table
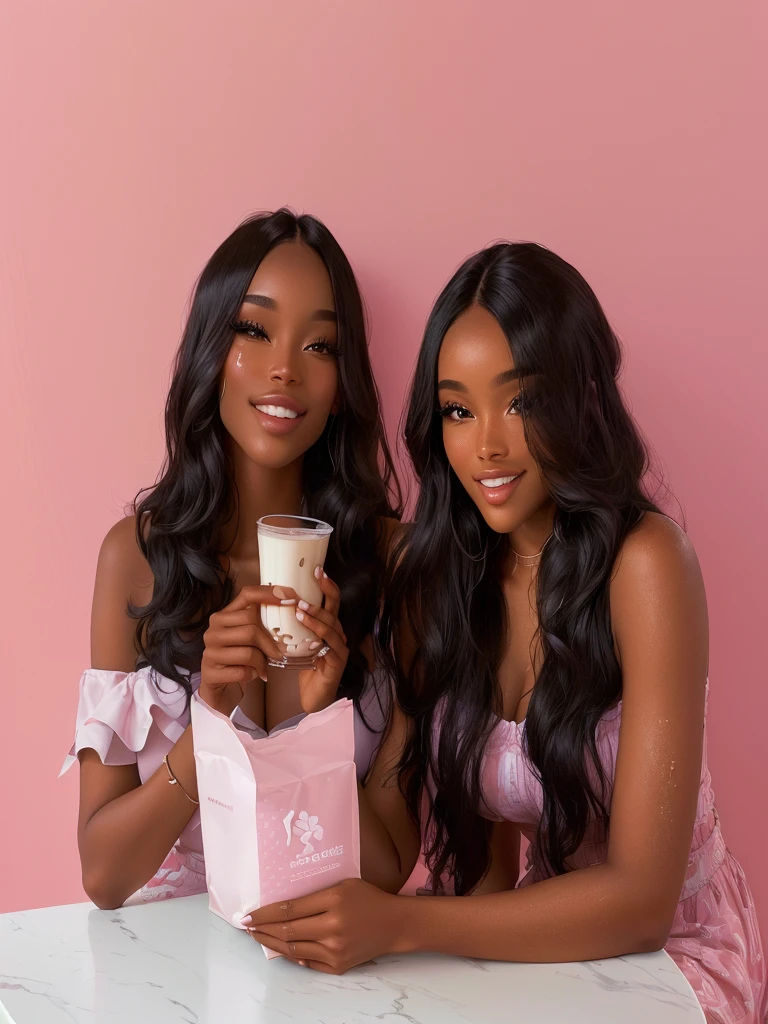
x,y
126,830
588,914
591,913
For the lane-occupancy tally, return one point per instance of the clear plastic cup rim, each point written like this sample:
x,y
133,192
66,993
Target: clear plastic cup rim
x,y
297,532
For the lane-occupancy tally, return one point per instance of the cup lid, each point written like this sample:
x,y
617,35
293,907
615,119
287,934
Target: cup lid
x,y
293,526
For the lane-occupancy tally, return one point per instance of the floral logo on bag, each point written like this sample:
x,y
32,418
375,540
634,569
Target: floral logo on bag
x,y
307,827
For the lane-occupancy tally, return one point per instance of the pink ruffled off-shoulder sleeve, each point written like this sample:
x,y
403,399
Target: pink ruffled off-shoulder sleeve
x,y
121,714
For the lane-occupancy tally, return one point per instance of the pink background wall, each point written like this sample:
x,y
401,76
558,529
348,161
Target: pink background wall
x,y
628,137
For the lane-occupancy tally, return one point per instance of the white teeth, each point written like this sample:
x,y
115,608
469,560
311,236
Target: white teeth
x,y
278,410
499,481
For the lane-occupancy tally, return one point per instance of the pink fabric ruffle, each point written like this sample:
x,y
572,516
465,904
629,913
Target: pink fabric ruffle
x,y
133,718
714,938
118,711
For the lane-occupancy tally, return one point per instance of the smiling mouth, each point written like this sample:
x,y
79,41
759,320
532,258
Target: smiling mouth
x,y
498,481
279,411
278,416
496,490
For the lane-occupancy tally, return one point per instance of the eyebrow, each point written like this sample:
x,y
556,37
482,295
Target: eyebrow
x,y
266,303
451,385
505,377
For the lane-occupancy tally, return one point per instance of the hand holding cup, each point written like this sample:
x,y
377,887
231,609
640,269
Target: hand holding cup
x,y
238,646
318,685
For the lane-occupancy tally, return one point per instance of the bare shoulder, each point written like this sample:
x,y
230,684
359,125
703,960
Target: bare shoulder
x,y
123,578
122,562
655,552
657,588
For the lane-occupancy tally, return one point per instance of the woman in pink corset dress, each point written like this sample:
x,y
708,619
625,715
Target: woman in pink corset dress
x,y
272,409
546,628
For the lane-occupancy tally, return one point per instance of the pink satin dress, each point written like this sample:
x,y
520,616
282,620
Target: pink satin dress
x,y
715,939
133,718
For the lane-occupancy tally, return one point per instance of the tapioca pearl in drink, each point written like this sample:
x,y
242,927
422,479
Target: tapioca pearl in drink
x,y
270,617
288,632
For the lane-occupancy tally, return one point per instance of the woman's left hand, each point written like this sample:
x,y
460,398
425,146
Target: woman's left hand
x,y
332,930
318,686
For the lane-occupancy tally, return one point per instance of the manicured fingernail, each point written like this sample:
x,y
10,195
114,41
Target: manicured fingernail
x,y
246,920
278,591
300,616
314,644
302,963
325,575
303,605
318,571
289,600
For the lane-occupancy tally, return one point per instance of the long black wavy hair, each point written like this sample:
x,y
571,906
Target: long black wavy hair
x,y
349,479
446,587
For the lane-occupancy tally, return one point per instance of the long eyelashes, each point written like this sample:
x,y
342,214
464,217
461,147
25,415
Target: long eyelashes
x,y
328,348
248,327
448,410
453,407
255,330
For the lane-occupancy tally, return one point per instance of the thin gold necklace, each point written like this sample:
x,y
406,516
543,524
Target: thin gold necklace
x,y
529,561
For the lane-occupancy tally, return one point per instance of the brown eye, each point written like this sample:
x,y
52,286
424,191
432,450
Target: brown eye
x,y
249,328
324,347
454,411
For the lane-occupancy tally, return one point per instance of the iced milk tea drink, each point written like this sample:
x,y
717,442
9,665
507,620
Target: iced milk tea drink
x,y
290,547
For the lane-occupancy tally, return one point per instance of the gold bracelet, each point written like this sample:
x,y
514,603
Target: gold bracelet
x,y
173,781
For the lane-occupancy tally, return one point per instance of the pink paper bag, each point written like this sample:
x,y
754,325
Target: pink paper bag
x,y
279,814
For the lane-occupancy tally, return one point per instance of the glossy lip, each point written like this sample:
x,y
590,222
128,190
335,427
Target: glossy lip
x,y
497,495
277,399
494,474
275,424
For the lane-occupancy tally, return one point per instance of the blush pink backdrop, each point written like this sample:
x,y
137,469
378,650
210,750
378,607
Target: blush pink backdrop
x,y
628,137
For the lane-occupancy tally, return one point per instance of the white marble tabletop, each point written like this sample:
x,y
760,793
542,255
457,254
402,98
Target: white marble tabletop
x,y
175,961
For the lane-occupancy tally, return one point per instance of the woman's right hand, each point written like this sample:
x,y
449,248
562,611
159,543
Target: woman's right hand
x,y
237,646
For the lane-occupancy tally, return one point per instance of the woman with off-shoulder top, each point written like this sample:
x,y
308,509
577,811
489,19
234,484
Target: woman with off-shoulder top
x,y
272,409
